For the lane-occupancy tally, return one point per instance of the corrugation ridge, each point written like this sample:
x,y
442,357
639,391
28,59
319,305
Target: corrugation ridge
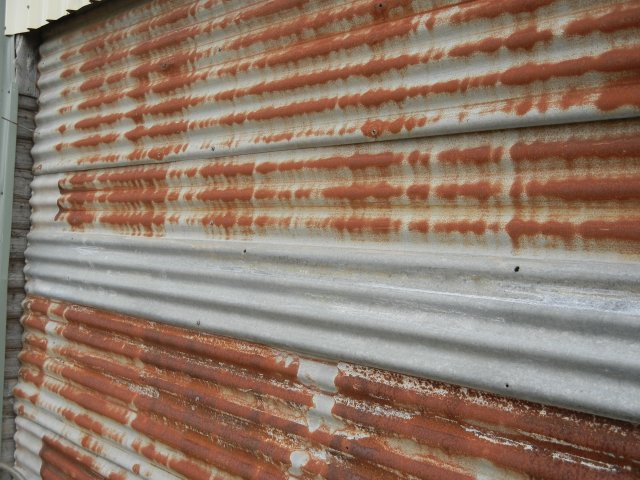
x,y
550,271
243,436
117,16
374,25
206,25
365,8
485,346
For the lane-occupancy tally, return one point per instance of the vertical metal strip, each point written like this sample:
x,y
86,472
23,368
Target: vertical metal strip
x,y
8,131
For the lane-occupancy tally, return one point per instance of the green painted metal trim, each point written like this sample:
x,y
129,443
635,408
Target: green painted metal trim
x,y
8,131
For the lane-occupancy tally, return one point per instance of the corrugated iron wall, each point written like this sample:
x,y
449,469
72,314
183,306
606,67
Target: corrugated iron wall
x,y
443,188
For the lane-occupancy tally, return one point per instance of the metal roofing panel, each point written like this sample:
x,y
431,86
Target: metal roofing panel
x,y
25,15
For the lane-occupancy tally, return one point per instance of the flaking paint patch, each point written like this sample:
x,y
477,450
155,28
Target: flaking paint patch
x,y
318,374
322,414
299,459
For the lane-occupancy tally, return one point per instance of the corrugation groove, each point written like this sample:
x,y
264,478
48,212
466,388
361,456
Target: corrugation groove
x,y
259,412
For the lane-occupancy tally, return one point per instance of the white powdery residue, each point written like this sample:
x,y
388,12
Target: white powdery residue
x,y
601,467
498,440
299,459
563,457
318,374
383,411
145,390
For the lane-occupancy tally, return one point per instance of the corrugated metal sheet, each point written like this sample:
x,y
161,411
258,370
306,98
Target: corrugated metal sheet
x,y
166,81
109,396
346,180
25,15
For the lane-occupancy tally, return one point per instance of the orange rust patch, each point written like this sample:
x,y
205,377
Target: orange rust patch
x,y
626,230
475,155
619,93
166,129
480,190
574,148
477,227
494,8
524,39
617,19
95,140
587,189
421,226
357,192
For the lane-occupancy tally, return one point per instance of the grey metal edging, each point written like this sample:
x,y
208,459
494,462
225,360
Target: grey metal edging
x,y
8,131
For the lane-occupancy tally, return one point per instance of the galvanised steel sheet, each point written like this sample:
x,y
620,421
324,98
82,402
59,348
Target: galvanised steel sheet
x,y
441,188
110,396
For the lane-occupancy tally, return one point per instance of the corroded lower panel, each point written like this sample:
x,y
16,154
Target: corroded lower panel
x,y
104,395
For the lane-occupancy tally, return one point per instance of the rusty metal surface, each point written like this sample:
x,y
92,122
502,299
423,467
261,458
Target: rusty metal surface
x,y
109,396
172,80
443,188
553,191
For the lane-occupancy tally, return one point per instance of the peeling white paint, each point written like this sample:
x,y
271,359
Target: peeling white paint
x,y
145,390
318,374
299,459
321,414
285,359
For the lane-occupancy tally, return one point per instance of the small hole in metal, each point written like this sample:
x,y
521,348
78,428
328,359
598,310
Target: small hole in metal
x,y
517,269
213,149
506,385
244,251
374,132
